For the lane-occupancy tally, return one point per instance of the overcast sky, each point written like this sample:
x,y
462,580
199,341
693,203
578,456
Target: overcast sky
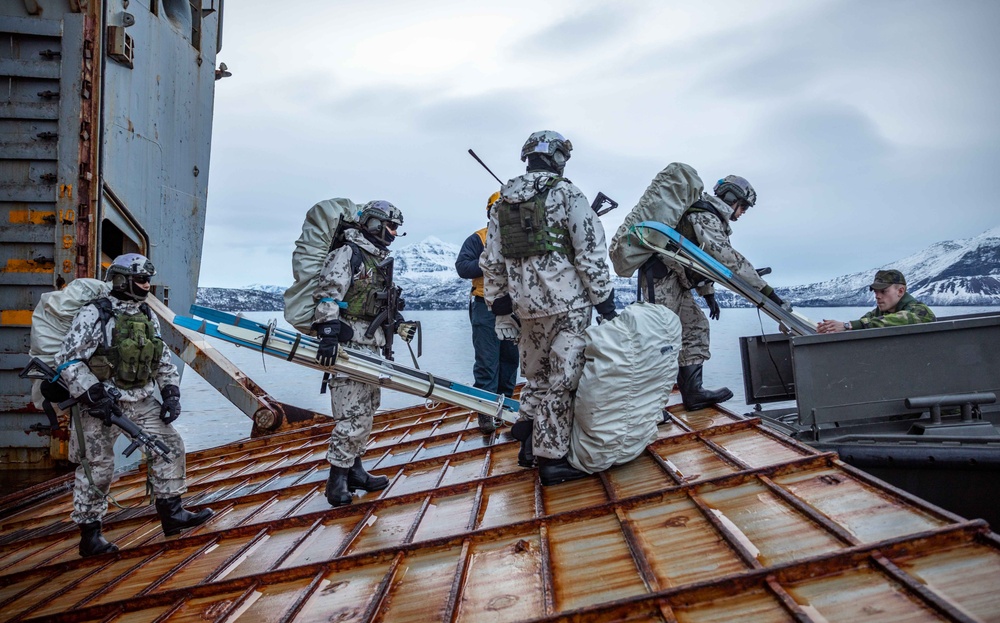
x,y
869,128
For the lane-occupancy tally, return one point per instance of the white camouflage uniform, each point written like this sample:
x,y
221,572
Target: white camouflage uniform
x,y
352,403
137,404
674,290
554,298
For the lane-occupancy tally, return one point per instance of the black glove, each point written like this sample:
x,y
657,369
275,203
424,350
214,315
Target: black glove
x,y
100,404
329,334
503,306
713,308
606,308
777,300
170,410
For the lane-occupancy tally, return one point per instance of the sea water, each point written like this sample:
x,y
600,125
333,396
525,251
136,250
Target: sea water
x,y
209,419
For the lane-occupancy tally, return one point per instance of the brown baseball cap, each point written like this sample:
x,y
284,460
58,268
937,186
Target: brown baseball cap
x,y
886,278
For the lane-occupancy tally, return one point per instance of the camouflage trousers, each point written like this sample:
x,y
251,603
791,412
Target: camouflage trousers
x,y
353,407
552,363
694,325
89,501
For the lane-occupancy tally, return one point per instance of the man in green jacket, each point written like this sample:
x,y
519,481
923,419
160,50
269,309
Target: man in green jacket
x,y
894,307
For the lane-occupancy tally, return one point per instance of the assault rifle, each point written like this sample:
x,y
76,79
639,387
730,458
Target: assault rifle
x,y
391,299
39,370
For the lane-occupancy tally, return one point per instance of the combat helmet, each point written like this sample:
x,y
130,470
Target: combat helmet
x,y
376,218
126,271
734,188
552,146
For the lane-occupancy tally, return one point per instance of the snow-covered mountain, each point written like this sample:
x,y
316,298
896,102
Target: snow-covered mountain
x,y
959,272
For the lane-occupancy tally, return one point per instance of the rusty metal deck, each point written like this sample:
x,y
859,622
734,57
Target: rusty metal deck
x,y
719,520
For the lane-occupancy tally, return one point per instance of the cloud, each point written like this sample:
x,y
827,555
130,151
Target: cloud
x,y
575,35
845,116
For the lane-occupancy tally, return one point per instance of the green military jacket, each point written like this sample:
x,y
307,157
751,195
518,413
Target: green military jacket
x,y
908,311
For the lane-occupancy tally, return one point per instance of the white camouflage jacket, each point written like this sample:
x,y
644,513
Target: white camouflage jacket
x,y
549,284
335,280
82,341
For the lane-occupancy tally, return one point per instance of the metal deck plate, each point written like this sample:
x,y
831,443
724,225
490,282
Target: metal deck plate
x,y
719,520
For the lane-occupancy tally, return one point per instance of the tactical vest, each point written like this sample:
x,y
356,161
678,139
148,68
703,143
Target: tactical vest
x,y
363,301
477,282
134,354
524,230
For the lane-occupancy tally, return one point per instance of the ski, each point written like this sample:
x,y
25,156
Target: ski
x,y
359,365
688,254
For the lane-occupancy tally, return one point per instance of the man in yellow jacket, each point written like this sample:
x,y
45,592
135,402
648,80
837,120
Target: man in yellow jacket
x,y
495,369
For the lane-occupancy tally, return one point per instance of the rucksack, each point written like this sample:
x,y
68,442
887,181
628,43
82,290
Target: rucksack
x,y
672,191
322,230
52,317
630,369
51,320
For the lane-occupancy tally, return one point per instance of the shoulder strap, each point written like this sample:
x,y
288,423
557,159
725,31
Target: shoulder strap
x,y
105,312
356,256
702,206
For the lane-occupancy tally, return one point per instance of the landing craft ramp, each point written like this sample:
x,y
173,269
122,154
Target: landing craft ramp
x,y
719,520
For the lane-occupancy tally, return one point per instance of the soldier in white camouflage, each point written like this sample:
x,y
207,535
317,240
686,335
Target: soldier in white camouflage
x,y
113,359
706,223
347,301
545,269
894,307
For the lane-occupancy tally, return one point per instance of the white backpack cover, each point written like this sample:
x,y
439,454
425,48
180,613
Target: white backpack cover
x,y
630,369
318,231
672,191
51,320
53,316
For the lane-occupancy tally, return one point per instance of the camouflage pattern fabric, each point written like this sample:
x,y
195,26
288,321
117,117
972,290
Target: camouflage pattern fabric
x,y
712,235
907,311
674,293
552,363
83,339
334,281
352,404
138,405
674,290
89,503
553,283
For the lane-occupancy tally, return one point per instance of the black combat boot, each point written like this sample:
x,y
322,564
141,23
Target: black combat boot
x,y
337,493
175,518
522,431
92,542
695,396
358,478
554,471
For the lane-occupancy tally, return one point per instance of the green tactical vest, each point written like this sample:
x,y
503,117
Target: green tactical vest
x,y
134,354
362,297
524,231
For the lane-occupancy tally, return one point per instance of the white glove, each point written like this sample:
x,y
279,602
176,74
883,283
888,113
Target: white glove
x,y
508,328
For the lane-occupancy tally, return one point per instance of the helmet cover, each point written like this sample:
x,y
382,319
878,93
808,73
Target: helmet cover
x,y
733,187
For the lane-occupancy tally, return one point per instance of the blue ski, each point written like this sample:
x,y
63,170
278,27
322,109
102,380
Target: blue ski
x,y
363,366
691,255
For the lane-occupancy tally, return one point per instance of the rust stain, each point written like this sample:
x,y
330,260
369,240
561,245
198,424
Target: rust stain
x,y
15,317
32,217
29,266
